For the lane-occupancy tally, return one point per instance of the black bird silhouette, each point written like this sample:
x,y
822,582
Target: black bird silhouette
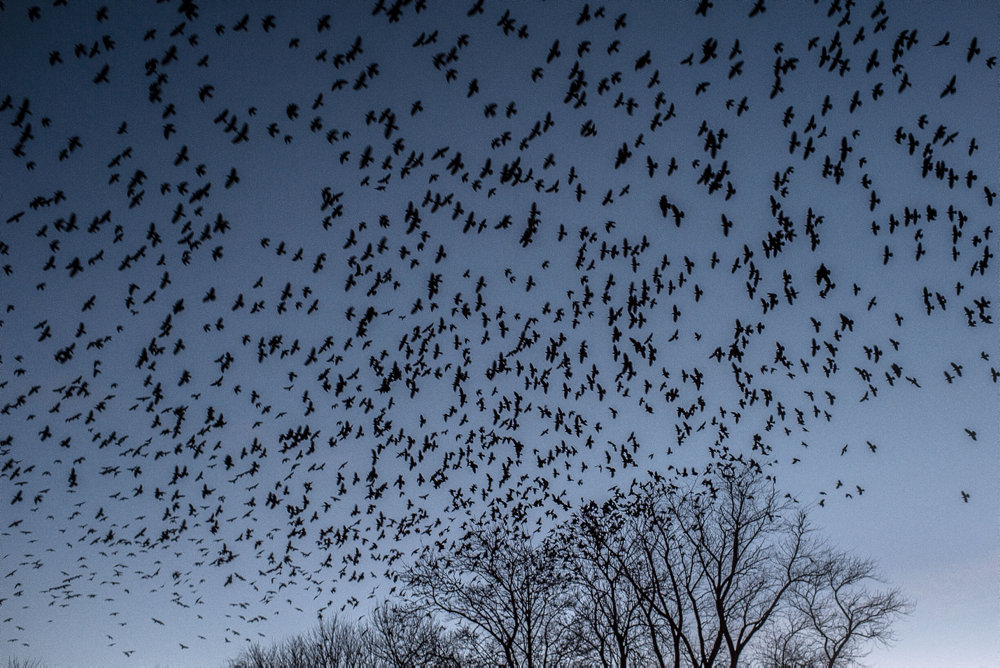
x,y
950,88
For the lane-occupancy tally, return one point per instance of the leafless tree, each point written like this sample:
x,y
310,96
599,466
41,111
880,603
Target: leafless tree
x,y
403,636
610,623
785,643
507,591
718,570
24,663
838,614
334,643
719,557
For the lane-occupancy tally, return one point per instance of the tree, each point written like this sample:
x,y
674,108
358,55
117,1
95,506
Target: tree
x,y
837,614
610,624
339,644
719,570
24,663
332,644
717,560
403,636
506,591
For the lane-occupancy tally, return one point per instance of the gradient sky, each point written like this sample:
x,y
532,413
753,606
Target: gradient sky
x,y
353,237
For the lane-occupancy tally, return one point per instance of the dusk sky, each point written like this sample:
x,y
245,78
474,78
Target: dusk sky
x,y
289,291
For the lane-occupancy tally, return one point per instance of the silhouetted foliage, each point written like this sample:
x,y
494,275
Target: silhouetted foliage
x,y
393,636
834,618
24,663
333,643
508,593
708,572
717,569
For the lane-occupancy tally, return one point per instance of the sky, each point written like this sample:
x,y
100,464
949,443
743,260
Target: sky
x,y
288,292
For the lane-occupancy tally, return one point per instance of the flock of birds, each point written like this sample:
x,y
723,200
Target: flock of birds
x,y
288,298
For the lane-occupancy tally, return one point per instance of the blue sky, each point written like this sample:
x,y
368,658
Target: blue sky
x,y
210,252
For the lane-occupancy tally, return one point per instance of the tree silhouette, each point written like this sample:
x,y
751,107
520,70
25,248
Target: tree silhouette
x,y
333,642
505,589
708,564
613,625
697,570
403,636
716,570
834,618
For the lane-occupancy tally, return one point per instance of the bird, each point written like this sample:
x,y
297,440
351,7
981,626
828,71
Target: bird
x,y
949,88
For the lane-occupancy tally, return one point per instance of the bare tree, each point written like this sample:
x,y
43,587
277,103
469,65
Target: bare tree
x,y
839,613
719,558
718,570
256,655
609,624
785,643
403,636
508,592
24,663
334,643
712,572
